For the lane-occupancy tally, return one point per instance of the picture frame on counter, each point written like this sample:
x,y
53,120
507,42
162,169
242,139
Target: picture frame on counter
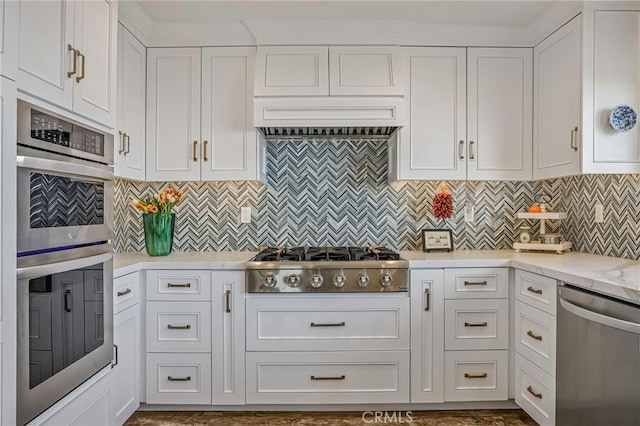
x,y
437,240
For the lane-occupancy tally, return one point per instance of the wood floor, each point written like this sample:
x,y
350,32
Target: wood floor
x,y
217,418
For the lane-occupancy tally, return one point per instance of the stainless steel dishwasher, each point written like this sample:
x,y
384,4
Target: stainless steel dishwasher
x,y
598,359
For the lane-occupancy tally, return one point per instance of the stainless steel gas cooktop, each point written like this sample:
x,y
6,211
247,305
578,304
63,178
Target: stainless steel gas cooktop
x,y
327,270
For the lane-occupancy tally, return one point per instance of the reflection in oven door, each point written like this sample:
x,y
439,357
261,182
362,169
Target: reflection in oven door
x,y
65,323
62,203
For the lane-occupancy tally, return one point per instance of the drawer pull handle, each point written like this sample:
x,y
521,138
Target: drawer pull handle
x,y
329,324
427,302
179,379
124,293
172,285
475,283
227,301
475,376
533,336
328,378
476,324
532,392
534,290
179,327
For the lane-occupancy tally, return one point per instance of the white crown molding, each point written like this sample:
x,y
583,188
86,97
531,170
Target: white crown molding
x,y
135,19
184,35
553,18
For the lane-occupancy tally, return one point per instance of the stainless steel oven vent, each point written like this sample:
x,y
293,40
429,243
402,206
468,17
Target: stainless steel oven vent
x,y
273,133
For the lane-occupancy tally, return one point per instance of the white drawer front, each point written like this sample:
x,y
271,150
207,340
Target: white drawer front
x,y
178,327
476,283
327,323
535,392
536,336
125,292
178,378
179,285
536,290
476,324
476,375
327,377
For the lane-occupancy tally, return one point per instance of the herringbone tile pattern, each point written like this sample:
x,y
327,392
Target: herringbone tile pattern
x,y
336,193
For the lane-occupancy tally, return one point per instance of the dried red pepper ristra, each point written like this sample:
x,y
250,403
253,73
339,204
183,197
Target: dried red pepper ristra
x,y
443,203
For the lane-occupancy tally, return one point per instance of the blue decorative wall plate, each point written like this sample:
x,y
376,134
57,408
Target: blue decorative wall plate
x,y
623,118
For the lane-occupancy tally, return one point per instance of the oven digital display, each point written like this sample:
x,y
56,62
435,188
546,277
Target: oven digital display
x,y
90,142
50,129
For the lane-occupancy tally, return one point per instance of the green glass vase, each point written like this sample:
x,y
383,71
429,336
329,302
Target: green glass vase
x,y
158,233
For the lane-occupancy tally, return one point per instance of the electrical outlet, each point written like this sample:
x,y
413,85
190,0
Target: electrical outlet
x,y
599,213
469,213
245,215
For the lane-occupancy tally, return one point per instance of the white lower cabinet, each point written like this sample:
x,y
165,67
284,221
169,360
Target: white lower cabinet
x,y
125,374
427,335
535,391
328,377
88,404
476,324
535,344
178,378
476,375
179,327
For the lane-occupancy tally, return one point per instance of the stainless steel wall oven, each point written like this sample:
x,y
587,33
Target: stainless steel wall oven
x,y
65,258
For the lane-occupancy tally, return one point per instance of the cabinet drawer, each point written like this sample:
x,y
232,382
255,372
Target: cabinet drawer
x,y
535,392
327,323
178,327
178,378
536,290
476,324
476,375
476,283
327,377
536,336
179,285
125,292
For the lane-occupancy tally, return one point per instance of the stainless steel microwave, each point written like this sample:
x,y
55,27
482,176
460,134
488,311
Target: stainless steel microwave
x,y
64,183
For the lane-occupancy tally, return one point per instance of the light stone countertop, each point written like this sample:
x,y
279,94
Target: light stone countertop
x,y
125,263
609,275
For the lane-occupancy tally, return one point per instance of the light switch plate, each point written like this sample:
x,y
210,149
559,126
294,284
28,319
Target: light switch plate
x,y
599,213
245,215
469,213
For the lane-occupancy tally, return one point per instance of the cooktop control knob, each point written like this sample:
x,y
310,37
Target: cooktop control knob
x,y
363,281
386,280
293,280
316,280
339,280
270,281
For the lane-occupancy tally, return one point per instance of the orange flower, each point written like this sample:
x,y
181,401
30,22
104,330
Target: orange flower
x,y
169,191
179,194
163,198
153,209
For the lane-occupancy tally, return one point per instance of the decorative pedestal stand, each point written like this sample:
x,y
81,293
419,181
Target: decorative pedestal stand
x,y
537,245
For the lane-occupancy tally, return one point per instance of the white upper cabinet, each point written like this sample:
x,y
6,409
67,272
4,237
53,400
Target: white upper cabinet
x,y
432,143
70,60
557,103
468,115
499,114
616,81
200,117
130,146
292,71
365,71
230,149
324,71
8,39
173,114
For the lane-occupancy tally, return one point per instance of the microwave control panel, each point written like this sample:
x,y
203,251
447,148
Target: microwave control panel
x,y
59,132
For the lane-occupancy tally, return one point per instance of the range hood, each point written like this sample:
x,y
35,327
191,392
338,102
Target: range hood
x,y
329,117
278,133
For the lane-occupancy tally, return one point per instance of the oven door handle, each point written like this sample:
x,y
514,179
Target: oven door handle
x,y
70,169
55,268
605,320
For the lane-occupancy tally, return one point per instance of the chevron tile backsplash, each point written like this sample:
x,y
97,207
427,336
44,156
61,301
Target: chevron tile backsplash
x,y
336,193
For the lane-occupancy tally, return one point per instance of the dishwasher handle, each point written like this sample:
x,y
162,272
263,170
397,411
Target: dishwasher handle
x,y
605,320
